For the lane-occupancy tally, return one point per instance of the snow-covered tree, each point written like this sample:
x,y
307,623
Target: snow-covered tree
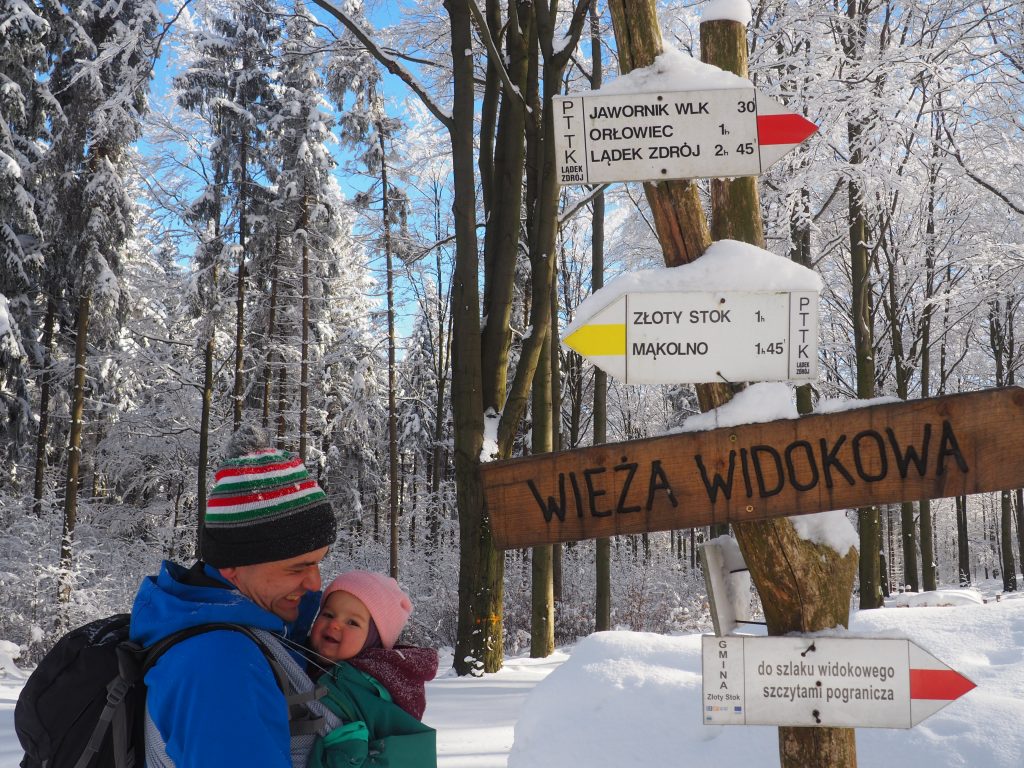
x,y
230,80
24,106
100,80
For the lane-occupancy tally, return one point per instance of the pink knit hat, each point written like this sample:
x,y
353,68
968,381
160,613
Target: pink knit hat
x,y
388,605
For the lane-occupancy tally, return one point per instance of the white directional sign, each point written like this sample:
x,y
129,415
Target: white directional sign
x,y
681,135
824,681
692,337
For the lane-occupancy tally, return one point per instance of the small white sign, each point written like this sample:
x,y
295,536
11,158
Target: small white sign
x,y
728,584
695,337
827,682
675,135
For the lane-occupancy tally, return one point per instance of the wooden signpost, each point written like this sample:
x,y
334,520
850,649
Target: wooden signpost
x,y
676,135
879,454
931,448
845,682
703,336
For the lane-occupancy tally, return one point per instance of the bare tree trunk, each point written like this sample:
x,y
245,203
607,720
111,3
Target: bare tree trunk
x,y
986,534
304,338
268,370
502,156
929,576
903,370
542,202
220,176
238,389
1020,526
282,403
868,517
718,46
392,384
556,439
910,580
929,570
204,442
478,646
603,607
175,521
529,26
542,617
96,488
1009,568
441,367
678,216
542,604
42,433
1001,319
74,451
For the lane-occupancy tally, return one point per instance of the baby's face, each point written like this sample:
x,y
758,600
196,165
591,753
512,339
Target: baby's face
x,y
340,630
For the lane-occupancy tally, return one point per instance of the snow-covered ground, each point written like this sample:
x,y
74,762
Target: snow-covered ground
x,y
623,698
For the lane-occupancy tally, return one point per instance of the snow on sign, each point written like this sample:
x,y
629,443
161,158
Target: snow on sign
x,y
681,135
840,682
692,337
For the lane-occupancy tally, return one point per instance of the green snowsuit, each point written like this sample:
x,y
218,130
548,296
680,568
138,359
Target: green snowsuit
x,y
377,732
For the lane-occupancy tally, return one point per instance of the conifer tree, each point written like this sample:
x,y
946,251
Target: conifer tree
x,y
307,201
24,99
230,81
100,79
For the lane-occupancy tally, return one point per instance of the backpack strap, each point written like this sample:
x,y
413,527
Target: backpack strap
x,y
300,719
133,662
112,715
157,649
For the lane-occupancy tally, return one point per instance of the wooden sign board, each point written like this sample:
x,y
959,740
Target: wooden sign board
x,y
882,454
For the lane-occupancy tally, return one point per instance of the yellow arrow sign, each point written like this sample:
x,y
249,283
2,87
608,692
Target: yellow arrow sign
x,y
603,339
675,337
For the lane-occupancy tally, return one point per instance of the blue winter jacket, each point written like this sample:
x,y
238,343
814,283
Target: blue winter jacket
x,y
213,697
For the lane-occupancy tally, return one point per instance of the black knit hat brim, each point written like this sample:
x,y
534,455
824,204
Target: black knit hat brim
x,y
281,538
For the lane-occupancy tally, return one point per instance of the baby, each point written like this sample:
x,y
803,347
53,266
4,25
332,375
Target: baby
x,y
377,687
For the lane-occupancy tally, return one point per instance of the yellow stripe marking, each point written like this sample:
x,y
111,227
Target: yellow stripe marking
x,y
593,340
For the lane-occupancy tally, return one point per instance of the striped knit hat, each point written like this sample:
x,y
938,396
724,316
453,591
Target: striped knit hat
x,y
264,507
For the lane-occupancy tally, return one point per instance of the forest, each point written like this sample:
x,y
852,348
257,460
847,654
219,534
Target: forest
x,y
342,221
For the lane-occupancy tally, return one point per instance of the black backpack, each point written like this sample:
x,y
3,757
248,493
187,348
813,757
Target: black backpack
x,y
84,705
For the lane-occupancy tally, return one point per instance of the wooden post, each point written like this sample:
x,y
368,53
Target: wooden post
x,y
684,234
804,587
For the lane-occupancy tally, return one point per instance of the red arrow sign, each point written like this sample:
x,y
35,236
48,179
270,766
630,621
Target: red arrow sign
x,y
933,684
787,128
938,684
778,130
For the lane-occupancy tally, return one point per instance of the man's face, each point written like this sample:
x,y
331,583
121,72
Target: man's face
x,y
279,585
340,630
